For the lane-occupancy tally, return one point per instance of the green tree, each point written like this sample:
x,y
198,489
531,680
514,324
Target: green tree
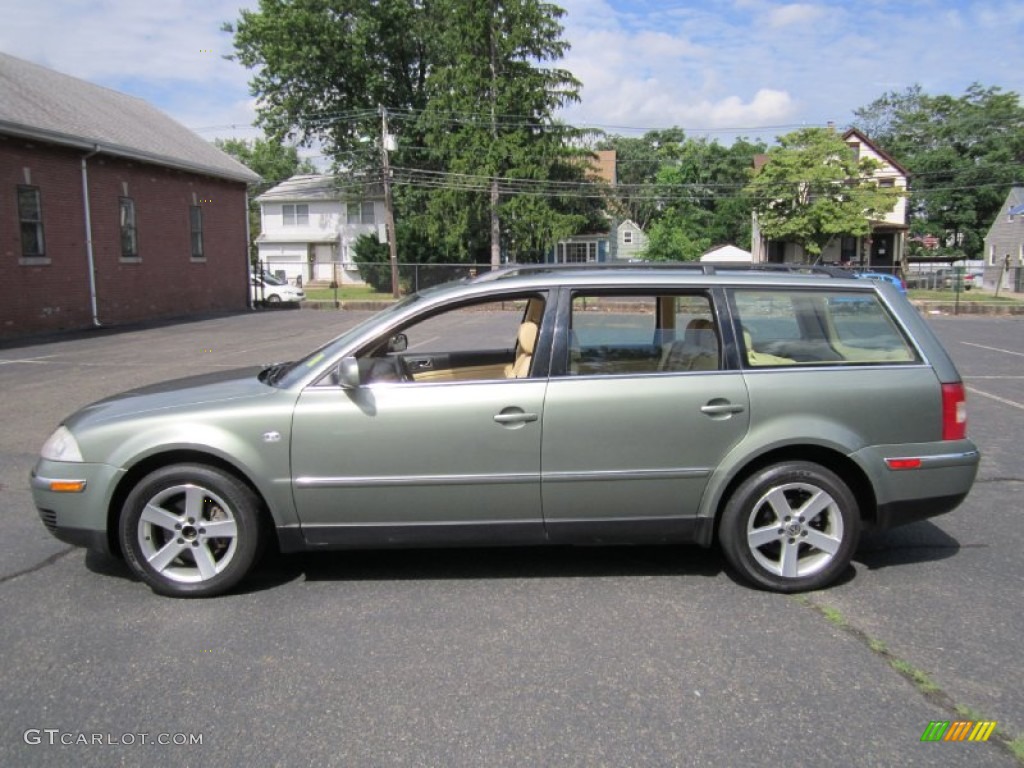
x,y
812,189
638,163
321,68
274,161
687,193
963,154
470,89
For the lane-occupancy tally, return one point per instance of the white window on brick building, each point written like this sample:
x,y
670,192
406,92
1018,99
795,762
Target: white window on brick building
x,y
196,226
129,233
30,216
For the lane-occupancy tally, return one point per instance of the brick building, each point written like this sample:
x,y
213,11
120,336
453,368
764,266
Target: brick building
x,y
110,211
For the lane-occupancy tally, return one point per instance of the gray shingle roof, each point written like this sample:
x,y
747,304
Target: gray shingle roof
x,y
43,104
304,187
318,187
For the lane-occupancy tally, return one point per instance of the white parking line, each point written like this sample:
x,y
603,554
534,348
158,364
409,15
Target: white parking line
x,y
994,349
997,398
41,360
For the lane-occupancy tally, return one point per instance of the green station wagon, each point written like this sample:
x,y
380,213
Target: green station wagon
x,y
773,413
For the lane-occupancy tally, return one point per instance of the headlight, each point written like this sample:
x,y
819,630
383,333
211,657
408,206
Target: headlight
x,y
61,446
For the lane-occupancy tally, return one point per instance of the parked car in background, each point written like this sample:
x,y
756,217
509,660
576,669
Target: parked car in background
x,y
974,278
273,290
885,277
773,414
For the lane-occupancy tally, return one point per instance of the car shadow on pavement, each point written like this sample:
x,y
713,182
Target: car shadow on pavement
x,y
485,563
915,543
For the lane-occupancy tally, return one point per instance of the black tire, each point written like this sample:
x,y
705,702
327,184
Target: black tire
x,y
772,545
167,529
273,299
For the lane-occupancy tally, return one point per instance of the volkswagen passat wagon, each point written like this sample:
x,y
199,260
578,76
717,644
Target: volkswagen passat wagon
x,y
773,414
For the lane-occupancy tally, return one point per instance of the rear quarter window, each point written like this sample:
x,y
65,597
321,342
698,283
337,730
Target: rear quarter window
x,y
789,327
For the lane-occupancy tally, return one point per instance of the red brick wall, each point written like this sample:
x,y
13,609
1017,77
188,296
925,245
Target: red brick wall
x,y
164,282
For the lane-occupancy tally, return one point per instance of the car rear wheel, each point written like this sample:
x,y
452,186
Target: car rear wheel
x,y
790,527
189,530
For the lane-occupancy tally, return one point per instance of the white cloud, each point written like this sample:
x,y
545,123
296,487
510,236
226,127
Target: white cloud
x,y
643,63
168,53
794,14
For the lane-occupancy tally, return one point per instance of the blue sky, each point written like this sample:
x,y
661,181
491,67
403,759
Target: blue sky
x,y
747,67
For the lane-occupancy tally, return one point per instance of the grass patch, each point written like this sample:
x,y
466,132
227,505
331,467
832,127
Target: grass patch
x,y
347,293
1017,747
973,297
917,676
921,680
833,615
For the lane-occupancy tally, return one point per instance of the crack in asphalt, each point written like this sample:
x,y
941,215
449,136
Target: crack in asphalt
x,y
38,566
933,693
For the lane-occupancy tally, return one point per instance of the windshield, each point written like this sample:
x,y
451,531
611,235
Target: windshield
x,y
301,368
270,279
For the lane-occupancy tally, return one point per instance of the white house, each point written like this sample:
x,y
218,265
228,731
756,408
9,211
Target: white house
x,y
728,254
883,248
309,227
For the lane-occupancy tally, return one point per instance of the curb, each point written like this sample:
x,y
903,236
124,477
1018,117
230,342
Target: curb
x,y
994,309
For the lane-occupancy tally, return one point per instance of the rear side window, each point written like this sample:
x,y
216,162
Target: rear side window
x,y
785,328
623,335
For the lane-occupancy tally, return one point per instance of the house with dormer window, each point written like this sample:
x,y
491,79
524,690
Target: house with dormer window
x,y
309,228
882,249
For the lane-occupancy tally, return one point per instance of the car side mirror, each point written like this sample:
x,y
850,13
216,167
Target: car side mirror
x,y
348,373
398,343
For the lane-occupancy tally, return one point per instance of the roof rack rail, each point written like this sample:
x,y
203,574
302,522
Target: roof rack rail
x,y
704,267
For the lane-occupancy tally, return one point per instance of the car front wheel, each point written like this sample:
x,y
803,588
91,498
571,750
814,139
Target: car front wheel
x,y
790,527
189,530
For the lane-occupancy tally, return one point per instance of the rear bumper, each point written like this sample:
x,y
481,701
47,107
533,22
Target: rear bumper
x,y
937,483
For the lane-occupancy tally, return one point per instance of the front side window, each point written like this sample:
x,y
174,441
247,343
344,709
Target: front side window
x,y
129,234
483,340
30,216
787,328
295,215
196,225
623,335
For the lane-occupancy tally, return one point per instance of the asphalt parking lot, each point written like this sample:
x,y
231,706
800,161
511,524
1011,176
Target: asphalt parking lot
x,y
627,656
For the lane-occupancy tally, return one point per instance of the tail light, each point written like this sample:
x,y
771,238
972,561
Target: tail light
x,y
954,412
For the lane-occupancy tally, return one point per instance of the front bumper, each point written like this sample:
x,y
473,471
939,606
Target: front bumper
x,y
78,517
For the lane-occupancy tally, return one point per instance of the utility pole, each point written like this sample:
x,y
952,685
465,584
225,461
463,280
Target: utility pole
x,y
387,142
495,198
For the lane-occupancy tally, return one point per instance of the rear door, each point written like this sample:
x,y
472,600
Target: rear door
x,y
637,414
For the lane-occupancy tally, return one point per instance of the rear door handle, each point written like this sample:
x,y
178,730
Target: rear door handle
x,y
721,409
515,418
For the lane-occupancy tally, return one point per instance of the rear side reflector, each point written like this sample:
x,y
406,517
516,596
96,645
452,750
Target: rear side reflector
x,y
954,412
903,463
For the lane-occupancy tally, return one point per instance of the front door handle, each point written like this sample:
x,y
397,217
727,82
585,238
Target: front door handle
x,y
721,408
519,417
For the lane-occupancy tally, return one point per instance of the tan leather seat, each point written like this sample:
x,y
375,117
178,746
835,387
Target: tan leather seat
x,y
696,351
527,340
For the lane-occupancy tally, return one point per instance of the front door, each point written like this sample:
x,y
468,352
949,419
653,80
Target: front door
x,y
440,442
412,462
